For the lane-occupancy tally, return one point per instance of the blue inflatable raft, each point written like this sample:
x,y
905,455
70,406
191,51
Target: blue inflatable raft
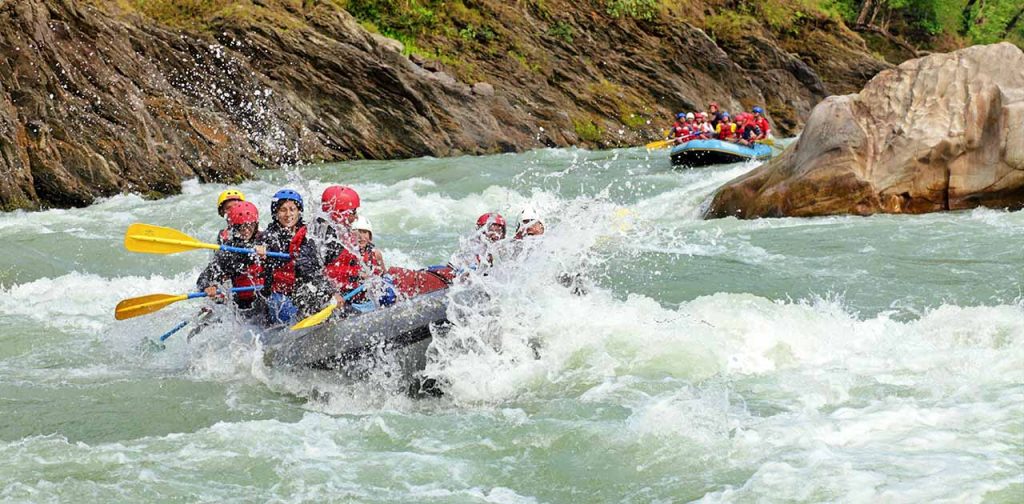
x,y
703,152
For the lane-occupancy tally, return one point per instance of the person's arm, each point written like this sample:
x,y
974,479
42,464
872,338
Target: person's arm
x,y
216,272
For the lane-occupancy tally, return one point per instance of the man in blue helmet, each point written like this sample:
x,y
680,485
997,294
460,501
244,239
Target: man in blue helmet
x,y
680,129
762,124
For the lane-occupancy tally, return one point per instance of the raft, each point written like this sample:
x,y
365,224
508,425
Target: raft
x,y
358,341
704,152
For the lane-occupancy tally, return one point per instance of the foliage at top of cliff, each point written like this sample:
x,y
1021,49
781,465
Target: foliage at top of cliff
x,y
457,25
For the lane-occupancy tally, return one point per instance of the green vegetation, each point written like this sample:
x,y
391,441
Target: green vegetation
x,y
937,23
562,31
637,9
587,130
180,13
632,120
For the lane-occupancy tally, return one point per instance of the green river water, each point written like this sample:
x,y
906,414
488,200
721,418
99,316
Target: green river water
x,y
837,359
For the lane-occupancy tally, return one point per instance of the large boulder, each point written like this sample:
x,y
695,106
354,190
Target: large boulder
x,y
943,132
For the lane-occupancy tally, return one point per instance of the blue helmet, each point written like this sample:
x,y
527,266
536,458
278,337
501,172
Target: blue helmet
x,y
284,195
758,110
680,116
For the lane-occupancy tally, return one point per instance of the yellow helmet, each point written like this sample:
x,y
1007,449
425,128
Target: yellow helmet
x,y
228,195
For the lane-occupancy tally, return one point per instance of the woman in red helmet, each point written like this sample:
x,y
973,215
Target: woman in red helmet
x,y
242,270
479,251
337,243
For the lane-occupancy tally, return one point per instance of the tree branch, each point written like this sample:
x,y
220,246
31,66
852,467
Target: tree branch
x,y
903,44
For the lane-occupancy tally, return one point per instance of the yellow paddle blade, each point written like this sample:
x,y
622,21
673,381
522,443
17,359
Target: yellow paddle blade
x,y
659,144
135,307
150,239
316,318
766,141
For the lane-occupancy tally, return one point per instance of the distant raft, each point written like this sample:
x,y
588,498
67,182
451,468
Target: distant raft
x,y
701,152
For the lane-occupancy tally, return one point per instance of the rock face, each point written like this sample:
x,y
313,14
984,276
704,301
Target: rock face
x,y
943,132
96,101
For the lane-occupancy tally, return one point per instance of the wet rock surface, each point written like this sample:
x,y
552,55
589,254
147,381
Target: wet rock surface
x,y
96,102
943,132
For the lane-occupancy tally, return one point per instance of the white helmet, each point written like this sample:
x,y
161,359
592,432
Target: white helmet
x,y
362,223
529,215
689,116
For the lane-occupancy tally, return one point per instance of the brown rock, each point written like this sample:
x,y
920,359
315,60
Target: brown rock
x,y
943,132
125,103
483,89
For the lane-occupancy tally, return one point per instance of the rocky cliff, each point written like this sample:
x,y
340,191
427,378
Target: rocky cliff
x,y
97,98
943,132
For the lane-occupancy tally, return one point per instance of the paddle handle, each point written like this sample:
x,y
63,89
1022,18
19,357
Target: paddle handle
x,y
243,250
249,288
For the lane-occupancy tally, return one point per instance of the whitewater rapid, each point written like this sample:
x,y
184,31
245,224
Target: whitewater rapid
x,y
843,359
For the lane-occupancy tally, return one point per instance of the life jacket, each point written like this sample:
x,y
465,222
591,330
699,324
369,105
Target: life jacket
x,y
679,130
762,123
344,270
726,130
370,259
283,280
248,277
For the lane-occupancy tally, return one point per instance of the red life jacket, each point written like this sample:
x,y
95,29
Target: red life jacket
x,y
284,276
250,276
763,124
726,131
370,259
344,270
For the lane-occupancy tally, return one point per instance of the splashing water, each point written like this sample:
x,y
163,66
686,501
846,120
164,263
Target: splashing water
x,y
634,353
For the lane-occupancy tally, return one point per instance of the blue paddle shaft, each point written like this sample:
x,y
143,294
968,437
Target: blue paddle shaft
x,y
242,250
193,295
352,293
172,331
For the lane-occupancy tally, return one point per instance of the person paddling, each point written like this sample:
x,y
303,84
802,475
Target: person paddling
x,y
761,122
479,251
529,224
242,270
226,200
715,114
337,243
371,256
373,269
726,129
295,286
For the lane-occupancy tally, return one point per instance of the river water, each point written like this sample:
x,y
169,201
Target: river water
x,y
838,359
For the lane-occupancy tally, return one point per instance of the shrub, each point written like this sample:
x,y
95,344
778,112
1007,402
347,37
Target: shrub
x,y
637,9
587,130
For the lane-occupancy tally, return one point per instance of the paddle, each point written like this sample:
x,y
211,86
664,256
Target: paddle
x,y
149,239
203,314
769,142
322,315
143,305
659,144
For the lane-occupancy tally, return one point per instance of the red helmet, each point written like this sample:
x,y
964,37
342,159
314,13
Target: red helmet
x,y
244,212
490,217
338,199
